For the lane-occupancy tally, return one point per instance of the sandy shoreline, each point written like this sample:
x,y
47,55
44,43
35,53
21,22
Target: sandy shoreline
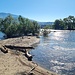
x,y
15,63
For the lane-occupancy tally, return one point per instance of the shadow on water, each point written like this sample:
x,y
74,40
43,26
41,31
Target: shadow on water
x,y
2,36
56,52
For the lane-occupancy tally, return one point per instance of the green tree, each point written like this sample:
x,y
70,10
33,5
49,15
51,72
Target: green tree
x,y
6,22
57,24
70,22
1,23
67,23
36,28
47,27
21,26
45,33
73,24
11,31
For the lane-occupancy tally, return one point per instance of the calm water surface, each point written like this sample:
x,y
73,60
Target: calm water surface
x,y
1,36
57,52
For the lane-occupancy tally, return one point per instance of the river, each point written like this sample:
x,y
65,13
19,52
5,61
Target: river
x,y
56,52
1,36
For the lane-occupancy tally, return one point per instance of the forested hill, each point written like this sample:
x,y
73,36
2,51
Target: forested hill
x,y
4,15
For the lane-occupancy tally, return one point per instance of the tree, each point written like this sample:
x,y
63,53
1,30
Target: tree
x,y
11,31
73,24
70,22
61,25
45,33
21,26
57,24
1,23
47,27
36,28
27,27
6,22
67,23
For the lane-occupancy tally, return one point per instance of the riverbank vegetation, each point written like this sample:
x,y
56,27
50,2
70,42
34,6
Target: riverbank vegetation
x,y
45,33
65,24
20,26
14,27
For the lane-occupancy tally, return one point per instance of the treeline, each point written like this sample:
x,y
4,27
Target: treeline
x,y
18,27
65,24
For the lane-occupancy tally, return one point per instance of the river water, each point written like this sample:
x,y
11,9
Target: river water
x,y
1,36
56,52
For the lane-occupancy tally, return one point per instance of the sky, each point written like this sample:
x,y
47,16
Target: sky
x,y
39,10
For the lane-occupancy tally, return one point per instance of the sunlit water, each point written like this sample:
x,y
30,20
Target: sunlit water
x,y
56,52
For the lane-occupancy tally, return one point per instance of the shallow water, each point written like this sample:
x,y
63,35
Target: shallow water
x,y
57,52
1,36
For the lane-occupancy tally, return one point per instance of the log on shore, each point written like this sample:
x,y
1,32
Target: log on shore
x,y
4,49
22,49
18,47
29,56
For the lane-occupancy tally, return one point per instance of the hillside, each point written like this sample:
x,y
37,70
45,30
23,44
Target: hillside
x,y
3,15
46,23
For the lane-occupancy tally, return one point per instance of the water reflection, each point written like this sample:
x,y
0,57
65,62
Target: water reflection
x,y
58,34
57,52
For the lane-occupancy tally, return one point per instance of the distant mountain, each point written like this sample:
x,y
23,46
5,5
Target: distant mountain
x,y
43,24
4,15
46,23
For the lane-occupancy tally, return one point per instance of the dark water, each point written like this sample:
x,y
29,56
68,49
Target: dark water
x,y
57,52
1,36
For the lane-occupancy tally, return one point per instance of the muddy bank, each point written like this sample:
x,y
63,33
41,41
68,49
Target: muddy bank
x,y
15,63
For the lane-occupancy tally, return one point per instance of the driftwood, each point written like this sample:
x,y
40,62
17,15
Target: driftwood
x,y
29,56
22,49
4,49
18,47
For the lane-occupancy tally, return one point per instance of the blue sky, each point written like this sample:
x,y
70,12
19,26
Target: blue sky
x,y
40,10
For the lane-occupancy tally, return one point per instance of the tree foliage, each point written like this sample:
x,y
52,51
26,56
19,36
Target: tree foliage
x,y
47,27
67,23
45,33
21,26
